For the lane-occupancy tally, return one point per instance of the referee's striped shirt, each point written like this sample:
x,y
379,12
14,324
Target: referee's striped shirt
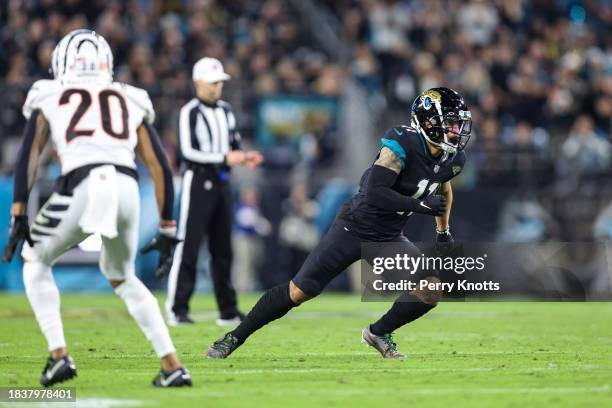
x,y
207,133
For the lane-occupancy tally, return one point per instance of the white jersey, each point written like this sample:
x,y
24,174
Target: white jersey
x,y
89,122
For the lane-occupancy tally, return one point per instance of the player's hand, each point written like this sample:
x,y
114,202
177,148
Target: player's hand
x,y
164,242
445,242
253,159
433,205
19,231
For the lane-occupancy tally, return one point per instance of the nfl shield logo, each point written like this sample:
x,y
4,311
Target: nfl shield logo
x,y
436,168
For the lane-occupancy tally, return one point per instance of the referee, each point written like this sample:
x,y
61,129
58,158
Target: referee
x,y
210,146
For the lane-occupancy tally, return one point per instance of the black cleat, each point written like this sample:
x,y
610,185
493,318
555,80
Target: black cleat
x,y
57,371
180,320
223,347
177,378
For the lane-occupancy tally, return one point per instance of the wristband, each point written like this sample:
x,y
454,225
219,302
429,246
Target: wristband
x,y
168,231
445,231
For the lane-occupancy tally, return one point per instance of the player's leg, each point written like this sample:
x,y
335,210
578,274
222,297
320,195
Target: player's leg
x,y
55,229
220,246
196,208
336,251
117,264
407,308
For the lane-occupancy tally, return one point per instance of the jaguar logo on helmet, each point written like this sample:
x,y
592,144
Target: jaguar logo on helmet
x,y
441,116
82,55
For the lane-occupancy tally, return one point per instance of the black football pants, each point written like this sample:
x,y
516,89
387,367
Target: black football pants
x,y
206,210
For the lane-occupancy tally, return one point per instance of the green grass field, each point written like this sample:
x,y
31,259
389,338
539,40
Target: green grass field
x,y
461,354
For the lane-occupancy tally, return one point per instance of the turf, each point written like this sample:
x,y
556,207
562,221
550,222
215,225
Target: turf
x,y
461,354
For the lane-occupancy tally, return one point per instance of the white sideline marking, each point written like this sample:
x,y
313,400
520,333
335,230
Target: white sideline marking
x,y
80,403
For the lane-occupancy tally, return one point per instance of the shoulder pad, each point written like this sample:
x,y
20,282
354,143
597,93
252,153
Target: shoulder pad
x,y
408,129
141,98
38,93
458,163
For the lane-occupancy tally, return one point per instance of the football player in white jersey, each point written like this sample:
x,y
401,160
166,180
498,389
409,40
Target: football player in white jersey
x,y
97,126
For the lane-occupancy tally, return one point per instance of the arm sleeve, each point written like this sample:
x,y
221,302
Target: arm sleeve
x,y
27,159
379,192
154,158
189,124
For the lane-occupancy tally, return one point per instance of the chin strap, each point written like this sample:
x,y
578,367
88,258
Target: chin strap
x,y
446,147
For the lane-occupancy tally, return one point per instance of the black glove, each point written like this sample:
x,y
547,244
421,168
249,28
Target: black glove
x,y
433,205
19,231
164,243
444,242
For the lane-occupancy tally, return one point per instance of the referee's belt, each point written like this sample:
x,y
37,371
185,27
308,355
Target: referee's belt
x,y
217,171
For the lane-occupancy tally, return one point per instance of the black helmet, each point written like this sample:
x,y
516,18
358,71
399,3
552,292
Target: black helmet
x,y
435,111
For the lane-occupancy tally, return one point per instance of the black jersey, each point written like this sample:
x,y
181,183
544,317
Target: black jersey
x,y
420,176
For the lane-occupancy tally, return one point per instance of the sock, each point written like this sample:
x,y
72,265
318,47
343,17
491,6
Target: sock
x,y
143,307
44,298
405,309
274,304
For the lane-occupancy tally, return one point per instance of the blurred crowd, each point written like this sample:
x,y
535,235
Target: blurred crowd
x,y
536,74
538,78
155,44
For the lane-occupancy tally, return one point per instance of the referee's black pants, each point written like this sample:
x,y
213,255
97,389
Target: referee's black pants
x,y
206,210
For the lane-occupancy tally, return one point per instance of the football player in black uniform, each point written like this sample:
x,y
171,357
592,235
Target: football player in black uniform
x,y
414,162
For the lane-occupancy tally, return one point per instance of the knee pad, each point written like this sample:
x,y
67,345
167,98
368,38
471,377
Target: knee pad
x,y
113,270
36,272
134,290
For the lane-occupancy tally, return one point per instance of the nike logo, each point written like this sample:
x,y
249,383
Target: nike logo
x,y
347,230
54,369
423,205
397,132
167,381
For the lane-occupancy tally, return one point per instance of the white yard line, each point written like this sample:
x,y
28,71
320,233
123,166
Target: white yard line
x,y
383,369
339,391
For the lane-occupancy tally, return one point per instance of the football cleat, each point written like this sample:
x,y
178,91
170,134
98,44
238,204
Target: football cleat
x,y
177,378
384,344
223,347
230,321
180,320
57,371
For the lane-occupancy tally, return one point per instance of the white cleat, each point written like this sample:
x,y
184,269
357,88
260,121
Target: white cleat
x,y
383,344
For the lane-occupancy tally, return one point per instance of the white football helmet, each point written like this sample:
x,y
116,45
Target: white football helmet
x,y
82,55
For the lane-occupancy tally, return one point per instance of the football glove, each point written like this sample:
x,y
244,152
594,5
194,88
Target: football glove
x,y
164,242
433,205
19,230
445,242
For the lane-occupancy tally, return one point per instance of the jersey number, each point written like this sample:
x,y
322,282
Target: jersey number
x,y
421,187
104,100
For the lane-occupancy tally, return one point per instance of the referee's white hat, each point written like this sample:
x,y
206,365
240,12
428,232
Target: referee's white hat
x,y
209,70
